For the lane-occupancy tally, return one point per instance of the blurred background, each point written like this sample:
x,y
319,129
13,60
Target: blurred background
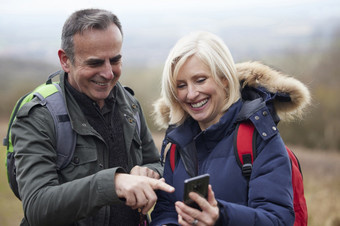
x,y
298,37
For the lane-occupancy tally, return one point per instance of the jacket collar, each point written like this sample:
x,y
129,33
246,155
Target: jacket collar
x,y
78,120
87,105
189,134
190,130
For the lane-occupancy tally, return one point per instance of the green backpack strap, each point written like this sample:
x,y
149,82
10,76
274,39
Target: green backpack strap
x,y
44,90
50,95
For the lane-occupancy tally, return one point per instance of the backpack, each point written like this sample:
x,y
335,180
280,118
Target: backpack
x,y
50,95
245,153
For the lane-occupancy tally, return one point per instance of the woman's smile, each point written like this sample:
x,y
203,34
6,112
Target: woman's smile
x,y
199,104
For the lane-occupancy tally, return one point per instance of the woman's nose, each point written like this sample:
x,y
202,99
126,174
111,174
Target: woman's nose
x,y
192,92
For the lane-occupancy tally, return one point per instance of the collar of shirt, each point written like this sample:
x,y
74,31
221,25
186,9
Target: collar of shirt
x,y
89,106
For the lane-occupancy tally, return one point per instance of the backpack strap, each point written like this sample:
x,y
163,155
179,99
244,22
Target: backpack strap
x,y
51,76
49,95
6,140
173,157
299,201
245,146
65,136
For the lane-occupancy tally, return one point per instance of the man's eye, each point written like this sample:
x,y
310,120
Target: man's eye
x,y
114,62
94,63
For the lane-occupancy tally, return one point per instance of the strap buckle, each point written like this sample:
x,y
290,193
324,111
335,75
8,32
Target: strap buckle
x,y
246,169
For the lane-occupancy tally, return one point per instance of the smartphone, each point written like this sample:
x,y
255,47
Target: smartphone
x,y
197,184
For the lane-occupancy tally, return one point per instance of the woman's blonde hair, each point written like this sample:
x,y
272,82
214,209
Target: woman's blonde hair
x,y
213,52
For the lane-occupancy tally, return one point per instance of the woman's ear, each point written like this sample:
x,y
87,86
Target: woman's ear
x,y
64,60
225,82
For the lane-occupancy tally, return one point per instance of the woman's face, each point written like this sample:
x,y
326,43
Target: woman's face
x,y
199,94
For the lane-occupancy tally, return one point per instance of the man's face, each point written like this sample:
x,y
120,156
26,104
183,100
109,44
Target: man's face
x,y
97,62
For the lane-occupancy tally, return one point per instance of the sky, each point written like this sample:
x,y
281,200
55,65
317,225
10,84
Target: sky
x,y
31,28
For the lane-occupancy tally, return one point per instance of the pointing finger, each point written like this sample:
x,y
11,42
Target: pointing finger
x,y
161,185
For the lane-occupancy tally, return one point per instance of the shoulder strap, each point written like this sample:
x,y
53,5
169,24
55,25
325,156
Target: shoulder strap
x,y
245,146
6,140
173,156
299,201
50,95
45,90
65,136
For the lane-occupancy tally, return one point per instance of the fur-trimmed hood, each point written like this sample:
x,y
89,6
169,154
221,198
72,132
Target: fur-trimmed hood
x,y
258,75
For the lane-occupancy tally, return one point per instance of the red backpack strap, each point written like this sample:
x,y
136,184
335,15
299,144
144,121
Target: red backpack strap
x,y
245,146
300,205
173,156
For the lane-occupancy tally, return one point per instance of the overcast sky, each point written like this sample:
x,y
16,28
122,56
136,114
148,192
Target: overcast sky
x,y
43,6
34,26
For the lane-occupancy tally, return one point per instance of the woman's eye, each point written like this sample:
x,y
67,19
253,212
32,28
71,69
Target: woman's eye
x,y
200,80
180,86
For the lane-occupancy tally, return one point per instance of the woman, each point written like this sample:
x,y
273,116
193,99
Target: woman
x,y
201,105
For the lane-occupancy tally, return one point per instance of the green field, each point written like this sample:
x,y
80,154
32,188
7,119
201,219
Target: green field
x,y
10,207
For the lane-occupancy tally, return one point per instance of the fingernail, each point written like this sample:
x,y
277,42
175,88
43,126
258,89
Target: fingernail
x,y
179,204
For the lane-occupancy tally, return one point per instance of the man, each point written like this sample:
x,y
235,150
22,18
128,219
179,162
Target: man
x,y
95,188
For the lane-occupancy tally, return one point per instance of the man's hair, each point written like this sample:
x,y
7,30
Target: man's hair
x,y
215,54
83,20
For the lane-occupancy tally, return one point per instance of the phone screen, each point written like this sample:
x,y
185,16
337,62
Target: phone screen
x,y
197,184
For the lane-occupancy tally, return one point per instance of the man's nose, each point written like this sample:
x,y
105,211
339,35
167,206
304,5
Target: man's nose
x,y
108,71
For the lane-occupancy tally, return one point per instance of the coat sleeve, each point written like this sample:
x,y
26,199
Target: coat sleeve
x,y
45,200
164,212
270,206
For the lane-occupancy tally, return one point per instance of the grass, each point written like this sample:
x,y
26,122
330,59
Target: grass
x,y
321,181
322,186
11,211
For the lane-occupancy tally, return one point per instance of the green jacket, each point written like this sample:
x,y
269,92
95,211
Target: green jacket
x,y
81,193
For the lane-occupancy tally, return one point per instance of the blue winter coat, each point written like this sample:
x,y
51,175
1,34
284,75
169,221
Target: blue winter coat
x,y
269,198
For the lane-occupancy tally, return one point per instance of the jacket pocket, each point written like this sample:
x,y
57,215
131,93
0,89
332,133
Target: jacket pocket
x,y
84,163
84,155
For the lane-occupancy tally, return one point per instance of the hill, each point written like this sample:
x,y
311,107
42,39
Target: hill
x,y
316,66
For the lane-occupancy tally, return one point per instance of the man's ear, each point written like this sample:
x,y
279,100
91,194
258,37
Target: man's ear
x,y
64,60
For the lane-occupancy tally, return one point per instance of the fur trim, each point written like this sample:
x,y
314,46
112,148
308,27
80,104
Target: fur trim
x,y
161,113
256,74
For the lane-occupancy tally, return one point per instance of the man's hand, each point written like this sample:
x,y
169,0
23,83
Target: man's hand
x,y
139,190
144,171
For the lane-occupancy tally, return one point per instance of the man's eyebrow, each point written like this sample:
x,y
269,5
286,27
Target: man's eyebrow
x,y
93,61
96,61
116,58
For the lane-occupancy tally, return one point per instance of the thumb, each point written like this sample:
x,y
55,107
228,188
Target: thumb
x,y
211,196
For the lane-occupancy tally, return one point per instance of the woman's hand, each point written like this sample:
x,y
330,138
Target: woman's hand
x,y
190,216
